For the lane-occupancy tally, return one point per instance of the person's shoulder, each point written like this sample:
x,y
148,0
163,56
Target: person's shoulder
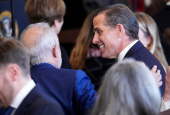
x,y
148,58
71,73
39,103
136,49
81,77
43,105
80,73
68,71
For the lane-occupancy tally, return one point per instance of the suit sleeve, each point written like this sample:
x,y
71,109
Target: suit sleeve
x,y
84,93
45,110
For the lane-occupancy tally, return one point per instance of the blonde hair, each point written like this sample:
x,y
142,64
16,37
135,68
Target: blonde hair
x,y
83,42
149,27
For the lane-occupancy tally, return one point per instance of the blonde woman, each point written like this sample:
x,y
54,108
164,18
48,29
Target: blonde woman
x,y
149,36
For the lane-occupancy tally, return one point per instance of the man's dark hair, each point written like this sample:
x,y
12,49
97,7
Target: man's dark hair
x,y
121,14
12,51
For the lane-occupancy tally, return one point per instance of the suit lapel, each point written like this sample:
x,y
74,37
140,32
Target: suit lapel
x,y
133,49
27,101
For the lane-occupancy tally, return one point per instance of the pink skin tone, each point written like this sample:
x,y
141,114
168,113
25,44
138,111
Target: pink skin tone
x,y
145,40
106,38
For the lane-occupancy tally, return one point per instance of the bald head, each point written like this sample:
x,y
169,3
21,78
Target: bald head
x,y
40,40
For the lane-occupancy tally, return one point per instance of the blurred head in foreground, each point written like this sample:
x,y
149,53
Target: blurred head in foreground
x,y
129,88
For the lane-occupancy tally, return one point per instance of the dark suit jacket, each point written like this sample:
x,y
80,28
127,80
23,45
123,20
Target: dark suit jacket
x,y
65,60
71,88
162,19
140,53
38,103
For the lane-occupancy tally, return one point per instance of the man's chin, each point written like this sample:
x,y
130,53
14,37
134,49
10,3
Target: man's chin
x,y
107,56
104,56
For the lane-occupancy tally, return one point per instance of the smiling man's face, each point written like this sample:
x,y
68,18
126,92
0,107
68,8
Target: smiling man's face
x,y
105,37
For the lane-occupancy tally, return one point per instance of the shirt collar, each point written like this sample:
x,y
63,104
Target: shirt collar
x,y
22,94
125,50
168,3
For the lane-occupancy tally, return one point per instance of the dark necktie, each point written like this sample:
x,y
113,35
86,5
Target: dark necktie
x,y
7,111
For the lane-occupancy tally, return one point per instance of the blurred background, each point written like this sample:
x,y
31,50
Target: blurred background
x,y
14,19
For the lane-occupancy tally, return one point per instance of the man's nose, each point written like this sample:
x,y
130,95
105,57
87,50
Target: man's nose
x,y
95,39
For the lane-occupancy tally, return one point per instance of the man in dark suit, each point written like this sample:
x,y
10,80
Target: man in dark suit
x,y
116,33
71,88
51,12
18,92
162,20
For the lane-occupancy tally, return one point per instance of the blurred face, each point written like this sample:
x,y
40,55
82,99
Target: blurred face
x,y
58,26
105,38
142,37
6,90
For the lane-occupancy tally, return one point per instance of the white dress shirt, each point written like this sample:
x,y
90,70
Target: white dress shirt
x,y
21,95
125,50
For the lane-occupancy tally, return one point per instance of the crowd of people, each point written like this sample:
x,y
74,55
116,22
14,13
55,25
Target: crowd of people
x,y
119,64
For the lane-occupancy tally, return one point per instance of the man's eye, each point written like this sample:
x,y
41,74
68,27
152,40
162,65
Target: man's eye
x,y
99,32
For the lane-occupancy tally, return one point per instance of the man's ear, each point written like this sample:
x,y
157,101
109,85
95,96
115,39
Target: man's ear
x,y
120,30
13,72
55,51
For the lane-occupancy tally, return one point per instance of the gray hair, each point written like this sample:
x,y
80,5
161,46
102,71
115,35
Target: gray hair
x,y
40,42
129,88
